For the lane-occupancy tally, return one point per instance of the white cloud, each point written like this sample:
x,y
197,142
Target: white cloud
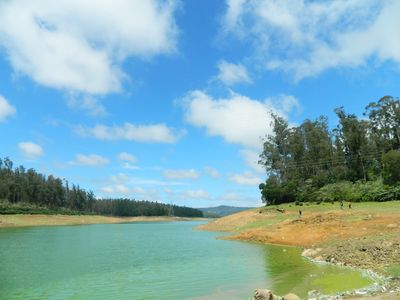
x,y
87,103
129,166
91,160
238,119
231,74
6,109
211,172
152,182
139,190
181,174
230,196
30,150
154,133
107,190
127,157
119,178
121,189
246,178
307,37
198,194
251,158
80,46
118,189
146,194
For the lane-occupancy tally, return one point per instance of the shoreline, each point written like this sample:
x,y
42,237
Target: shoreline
x,y
366,239
26,220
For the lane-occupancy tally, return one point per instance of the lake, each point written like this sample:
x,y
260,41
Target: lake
x,y
160,260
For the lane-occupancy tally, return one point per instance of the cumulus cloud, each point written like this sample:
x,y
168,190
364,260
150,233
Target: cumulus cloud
x,y
246,178
251,158
147,194
6,109
198,194
307,37
128,161
211,172
118,189
88,104
152,182
92,160
80,46
231,74
124,156
238,119
120,178
154,133
30,150
181,174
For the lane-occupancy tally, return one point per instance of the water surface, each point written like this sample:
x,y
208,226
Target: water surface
x,y
163,260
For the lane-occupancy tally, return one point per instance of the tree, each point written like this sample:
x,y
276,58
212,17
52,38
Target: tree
x,y
384,116
355,140
391,167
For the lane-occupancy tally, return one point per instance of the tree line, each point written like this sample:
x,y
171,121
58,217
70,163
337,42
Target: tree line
x,y
358,160
27,191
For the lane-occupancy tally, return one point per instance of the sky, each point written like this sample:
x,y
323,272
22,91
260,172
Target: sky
x,y
169,101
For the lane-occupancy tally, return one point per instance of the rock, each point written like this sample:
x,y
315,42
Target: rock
x,y
391,226
319,258
291,296
264,294
310,252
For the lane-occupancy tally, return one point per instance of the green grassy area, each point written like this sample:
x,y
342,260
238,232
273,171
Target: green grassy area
x,y
363,206
394,270
265,223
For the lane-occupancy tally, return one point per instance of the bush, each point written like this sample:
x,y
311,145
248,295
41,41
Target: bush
x,y
358,192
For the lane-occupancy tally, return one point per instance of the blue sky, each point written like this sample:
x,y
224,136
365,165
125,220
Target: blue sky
x,y
168,100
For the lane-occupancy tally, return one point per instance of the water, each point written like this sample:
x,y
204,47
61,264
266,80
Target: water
x,y
152,261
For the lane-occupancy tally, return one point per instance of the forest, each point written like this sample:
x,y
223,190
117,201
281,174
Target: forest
x,y
358,160
27,191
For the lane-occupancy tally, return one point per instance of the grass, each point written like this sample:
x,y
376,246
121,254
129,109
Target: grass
x,y
394,270
363,206
265,223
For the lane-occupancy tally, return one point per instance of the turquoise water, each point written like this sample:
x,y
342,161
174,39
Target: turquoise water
x,y
149,261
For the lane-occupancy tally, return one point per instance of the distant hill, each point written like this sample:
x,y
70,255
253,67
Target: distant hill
x,y
221,211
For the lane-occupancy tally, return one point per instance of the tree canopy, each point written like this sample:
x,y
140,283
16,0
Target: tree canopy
x,y
301,160
28,191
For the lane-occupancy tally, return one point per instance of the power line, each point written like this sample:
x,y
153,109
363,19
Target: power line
x,y
342,160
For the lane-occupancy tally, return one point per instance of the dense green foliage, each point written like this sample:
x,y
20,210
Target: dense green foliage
x,y
359,160
26,191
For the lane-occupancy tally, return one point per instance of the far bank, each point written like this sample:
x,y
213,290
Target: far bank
x,y
26,220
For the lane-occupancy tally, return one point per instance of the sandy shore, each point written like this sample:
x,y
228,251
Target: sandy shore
x,y
7,221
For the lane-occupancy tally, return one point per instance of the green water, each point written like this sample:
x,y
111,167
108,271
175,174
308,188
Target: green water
x,y
152,261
